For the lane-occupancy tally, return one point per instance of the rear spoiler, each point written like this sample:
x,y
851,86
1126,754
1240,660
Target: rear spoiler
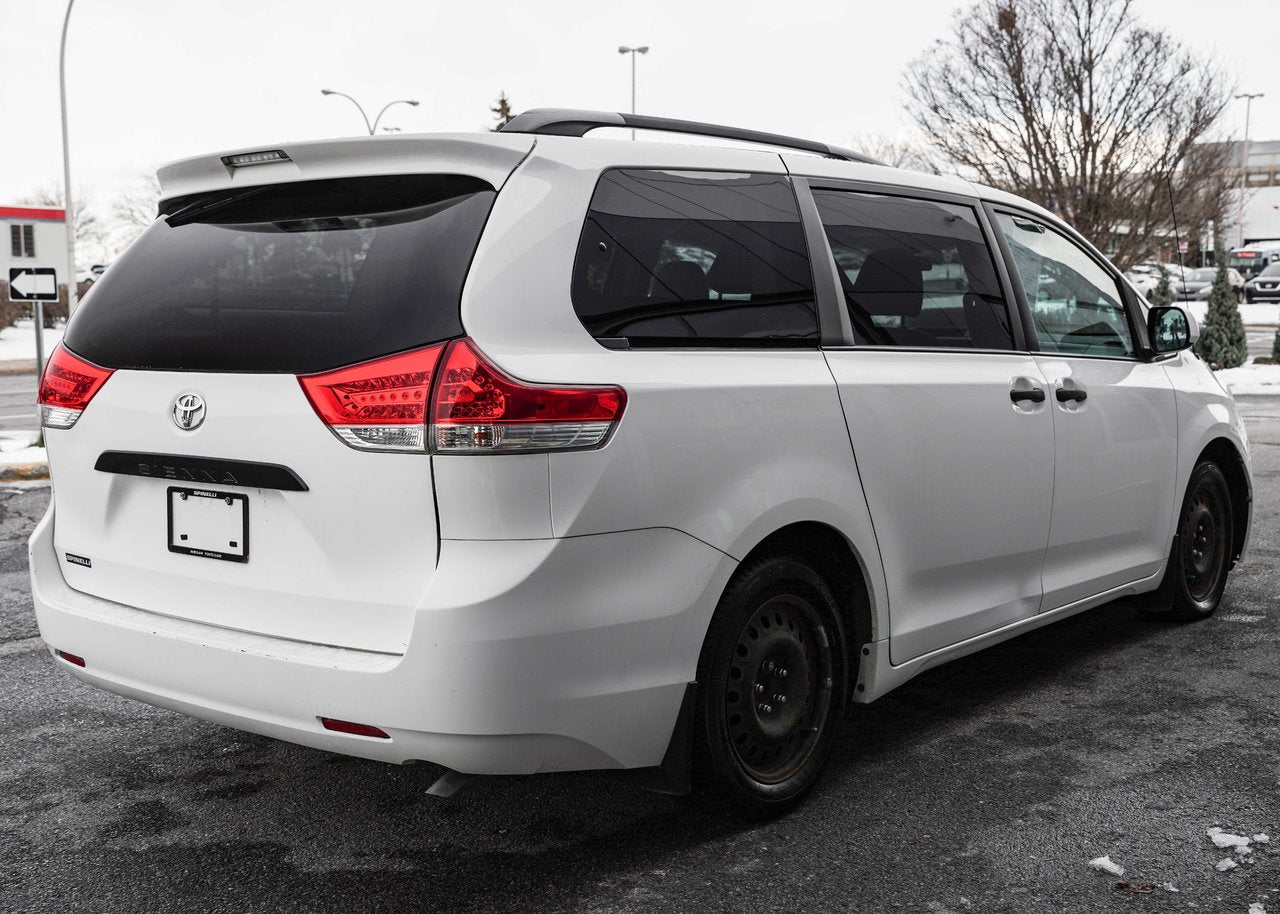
x,y
490,157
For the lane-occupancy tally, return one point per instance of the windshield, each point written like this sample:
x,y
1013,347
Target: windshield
x,y
295,278
1202,275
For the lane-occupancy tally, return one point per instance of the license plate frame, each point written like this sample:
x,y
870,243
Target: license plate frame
x,y
224,523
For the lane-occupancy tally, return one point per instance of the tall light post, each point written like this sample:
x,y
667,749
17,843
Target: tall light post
x,y
1244,160
70,212
372,128
633,52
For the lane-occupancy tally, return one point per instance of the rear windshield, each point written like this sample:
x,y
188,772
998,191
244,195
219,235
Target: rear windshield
x,y
290,278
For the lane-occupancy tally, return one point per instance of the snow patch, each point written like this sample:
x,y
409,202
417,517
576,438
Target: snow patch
x,y
1222,839
1257,908
19,341
1251,379
1107,865
1255,314
1225,864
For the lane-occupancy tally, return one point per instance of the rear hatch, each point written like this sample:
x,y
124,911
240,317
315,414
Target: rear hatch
x,y
200,477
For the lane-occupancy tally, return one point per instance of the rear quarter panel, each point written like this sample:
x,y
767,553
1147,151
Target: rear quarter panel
x,y
725,445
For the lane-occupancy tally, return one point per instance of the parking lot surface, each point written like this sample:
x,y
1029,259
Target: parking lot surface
x,y
984,786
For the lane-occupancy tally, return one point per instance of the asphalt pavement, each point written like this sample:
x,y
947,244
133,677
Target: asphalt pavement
x,y
18,402
984,786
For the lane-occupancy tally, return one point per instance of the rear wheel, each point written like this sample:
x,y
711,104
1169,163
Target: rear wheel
x,y
772,687
1201,554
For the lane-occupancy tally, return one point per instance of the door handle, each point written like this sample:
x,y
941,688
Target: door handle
x,y
1064,395
1035,395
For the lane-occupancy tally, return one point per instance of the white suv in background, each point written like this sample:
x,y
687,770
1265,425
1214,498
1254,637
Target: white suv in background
x,y
528,452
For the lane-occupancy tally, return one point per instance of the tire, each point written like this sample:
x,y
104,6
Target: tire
x,y
773,688
1201,554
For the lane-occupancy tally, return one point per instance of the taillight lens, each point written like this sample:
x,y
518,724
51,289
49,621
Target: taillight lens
x,y
379,405
478,409
67,385
447,398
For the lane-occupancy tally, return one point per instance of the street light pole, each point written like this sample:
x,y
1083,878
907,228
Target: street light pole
x,y
633,52
372,128
1244,160
69,210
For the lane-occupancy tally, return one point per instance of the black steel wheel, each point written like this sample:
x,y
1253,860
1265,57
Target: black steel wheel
x,y
772,687
1201,554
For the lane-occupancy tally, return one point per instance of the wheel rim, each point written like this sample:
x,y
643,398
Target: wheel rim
x,y
1204,543
778,692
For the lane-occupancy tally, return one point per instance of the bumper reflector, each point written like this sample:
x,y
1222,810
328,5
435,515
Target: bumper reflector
x,y
70,658
346,726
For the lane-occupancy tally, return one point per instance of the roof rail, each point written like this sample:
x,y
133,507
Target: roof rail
x,y
572,122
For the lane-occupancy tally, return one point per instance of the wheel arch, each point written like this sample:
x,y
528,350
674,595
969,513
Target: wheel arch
x,y
840,564
1223,452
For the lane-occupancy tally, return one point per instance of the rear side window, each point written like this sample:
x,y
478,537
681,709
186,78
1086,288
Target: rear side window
x,y
293,278
695,259
915,273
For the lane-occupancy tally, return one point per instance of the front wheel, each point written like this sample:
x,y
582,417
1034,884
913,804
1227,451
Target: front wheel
x,y
772,687
1201,554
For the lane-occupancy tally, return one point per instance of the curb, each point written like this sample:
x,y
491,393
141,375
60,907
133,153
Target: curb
x,y
24,472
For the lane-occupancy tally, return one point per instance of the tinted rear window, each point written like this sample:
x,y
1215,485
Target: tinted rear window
x,y
695,259
289,278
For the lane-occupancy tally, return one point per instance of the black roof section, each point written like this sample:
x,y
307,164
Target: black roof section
x,y
572,122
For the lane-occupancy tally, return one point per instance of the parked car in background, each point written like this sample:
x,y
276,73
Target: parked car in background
x,y
1265,287
1197,284
1146,276
93,274
524,451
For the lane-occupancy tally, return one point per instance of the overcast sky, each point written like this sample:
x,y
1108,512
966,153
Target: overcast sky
x,y
153,80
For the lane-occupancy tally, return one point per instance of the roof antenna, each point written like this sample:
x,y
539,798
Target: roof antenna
x,y
1182,270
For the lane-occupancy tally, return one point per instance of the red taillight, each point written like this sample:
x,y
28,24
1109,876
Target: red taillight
x,y
67,385
473,407
346,726
379,405
477,408
70,658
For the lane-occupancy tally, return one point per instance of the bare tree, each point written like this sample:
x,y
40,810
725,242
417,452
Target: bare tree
x,y
899,152
90,233
1077,106
133,211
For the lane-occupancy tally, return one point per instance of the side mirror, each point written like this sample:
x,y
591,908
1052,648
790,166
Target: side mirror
x,y
1171,329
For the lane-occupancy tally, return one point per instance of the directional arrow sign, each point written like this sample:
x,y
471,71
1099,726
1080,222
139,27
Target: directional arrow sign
x,y
33,284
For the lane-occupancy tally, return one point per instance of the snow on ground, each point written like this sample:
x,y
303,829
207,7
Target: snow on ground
x,y
1252,315
1251,379
1107,865
19,341
17,448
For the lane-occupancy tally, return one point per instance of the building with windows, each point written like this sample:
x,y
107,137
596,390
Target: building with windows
x,y
33,236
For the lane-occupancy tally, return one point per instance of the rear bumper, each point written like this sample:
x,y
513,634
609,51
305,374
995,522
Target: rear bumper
x,y
526,656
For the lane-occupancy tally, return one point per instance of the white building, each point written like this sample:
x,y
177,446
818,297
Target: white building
x,y
1261,213
33,236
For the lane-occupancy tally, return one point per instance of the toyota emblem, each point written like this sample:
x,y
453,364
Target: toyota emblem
x,y
188,411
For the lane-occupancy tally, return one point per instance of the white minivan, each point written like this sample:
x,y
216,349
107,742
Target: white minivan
x,y
528,451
